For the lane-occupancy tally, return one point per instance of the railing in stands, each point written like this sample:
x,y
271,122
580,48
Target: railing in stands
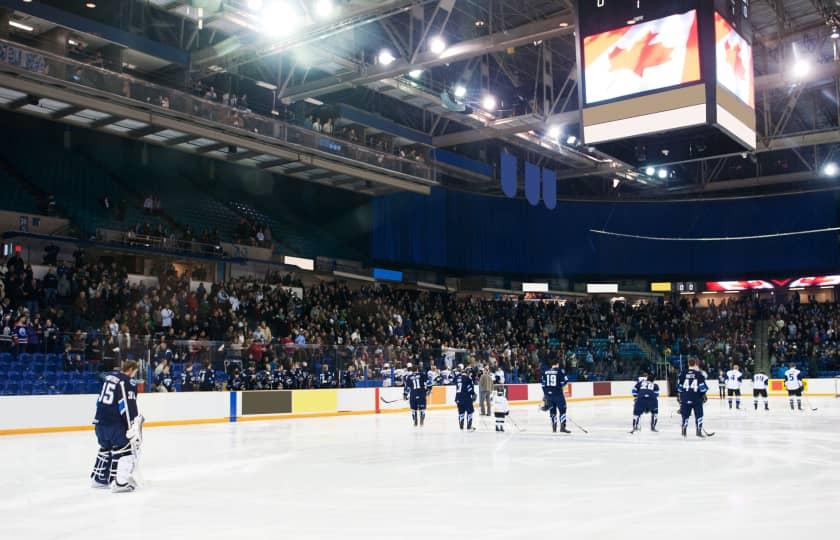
x,y
74,72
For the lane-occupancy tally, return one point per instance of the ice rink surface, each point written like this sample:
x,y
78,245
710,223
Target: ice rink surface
x,y
767,474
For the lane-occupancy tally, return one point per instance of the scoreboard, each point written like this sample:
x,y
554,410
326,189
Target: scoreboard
x,y
654,66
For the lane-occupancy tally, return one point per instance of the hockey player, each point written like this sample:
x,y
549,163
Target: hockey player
x,y
760,381
734,377
691,392
415,391
500,408
189,380
207,377
794,385
464,399
646,399
553,381
236,381
118,427
722,384
325,378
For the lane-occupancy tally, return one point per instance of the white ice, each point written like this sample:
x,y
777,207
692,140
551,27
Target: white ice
x,y
769,474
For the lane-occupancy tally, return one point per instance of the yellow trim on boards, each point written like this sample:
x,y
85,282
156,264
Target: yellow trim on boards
x,y
293,416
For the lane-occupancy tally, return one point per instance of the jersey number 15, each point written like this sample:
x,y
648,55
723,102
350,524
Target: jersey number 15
x,y
107,394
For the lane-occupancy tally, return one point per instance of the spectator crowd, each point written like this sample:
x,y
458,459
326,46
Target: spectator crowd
x,y
274,332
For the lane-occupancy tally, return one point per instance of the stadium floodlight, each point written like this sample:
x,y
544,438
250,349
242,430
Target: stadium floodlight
x,y
554,132
90,5
801,68
279,19
415,73
255,5
386,57
831,169
323,8
571,139
662,174
460,91
650,171
21,26
488,102
437,44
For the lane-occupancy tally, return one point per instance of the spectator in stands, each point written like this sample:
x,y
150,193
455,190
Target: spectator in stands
x,y
166,315
211,94
51,254
50,285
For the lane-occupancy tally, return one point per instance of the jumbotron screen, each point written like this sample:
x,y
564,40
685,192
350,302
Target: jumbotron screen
x,y
642,57
734,61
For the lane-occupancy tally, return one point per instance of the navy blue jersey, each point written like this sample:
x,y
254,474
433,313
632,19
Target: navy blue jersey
x,y
415,385
553,381
325,379
646,389
207,379
263,379
111,404
691,385
464,390
236,382
188,381
165,380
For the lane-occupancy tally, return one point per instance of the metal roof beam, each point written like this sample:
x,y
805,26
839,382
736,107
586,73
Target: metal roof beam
x,y
66,111
106,121
499,41
143,131
180,140
206,149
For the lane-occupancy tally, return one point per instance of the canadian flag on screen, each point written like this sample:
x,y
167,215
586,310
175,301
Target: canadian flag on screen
x,y
642,57
734,61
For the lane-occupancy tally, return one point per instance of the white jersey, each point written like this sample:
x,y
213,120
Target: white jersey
x,y
760,381
500,404
733,379
792,379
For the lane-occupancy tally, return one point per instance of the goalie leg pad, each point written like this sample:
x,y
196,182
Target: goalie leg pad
x,y
122,468
102,468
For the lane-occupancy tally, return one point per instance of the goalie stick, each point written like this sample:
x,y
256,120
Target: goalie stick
x,y
135,441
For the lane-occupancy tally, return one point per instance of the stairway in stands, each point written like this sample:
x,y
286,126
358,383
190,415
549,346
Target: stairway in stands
x,y
762,354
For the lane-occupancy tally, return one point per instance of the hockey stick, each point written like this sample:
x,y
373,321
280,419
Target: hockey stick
x,y
517,426
708,433
576,425
808,403
383,400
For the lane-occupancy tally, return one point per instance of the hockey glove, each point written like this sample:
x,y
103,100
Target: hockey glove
x,y
705,398
472,396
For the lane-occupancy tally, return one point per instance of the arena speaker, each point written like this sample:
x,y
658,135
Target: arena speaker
x,y
681,67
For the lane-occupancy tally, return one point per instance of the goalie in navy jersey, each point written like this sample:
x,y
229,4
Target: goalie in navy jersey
x,y
646,400
415,390
691,392
464,399
553,381
118,430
